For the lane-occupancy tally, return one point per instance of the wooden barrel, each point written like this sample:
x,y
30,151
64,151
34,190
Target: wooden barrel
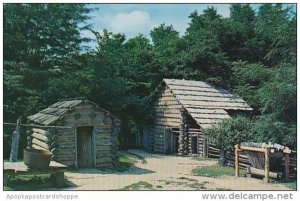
x,y
37,159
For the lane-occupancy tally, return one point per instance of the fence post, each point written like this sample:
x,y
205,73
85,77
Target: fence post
x,y
15,142
205,146
287,166
267,164
237,170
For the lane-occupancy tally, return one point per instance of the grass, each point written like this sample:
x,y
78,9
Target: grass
x,y
192,184
141,158
188,179
33,182
138,186
290,184
201,158
123,164
197,186
215,171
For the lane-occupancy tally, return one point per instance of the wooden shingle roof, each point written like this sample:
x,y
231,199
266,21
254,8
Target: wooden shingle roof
x,y
57,110
206,104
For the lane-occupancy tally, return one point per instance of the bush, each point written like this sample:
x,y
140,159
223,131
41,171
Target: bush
x,y
228,133
269,129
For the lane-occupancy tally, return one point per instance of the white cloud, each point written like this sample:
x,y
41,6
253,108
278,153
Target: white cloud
x,y
129,23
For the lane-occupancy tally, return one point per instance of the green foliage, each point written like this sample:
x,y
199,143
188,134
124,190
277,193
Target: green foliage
x,y
277,27
42,44
278,95
270,129
142,185
230,132
251,53
33,182
204,56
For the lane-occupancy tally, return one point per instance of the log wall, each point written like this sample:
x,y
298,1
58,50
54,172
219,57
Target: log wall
x,y
62,142
202,141
166,115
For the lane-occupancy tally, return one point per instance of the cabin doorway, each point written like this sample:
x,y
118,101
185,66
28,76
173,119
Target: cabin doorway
x,y
171,141
85,151
194,145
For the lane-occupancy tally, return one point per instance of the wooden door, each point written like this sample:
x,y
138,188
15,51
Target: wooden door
x,y
175,143
84,147
169,141
194,145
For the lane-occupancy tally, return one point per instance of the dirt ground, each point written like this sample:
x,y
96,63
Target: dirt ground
x,y
163,173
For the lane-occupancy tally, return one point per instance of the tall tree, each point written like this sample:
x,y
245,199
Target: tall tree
x,y
205,55
277,27
41,43
238,38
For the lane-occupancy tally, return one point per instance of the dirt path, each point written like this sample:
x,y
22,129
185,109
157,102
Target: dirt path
x,y
163,173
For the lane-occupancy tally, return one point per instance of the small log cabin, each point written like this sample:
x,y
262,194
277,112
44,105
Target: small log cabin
x,y
182,111
78,132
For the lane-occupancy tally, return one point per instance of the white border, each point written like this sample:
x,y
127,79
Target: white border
x,y
132,195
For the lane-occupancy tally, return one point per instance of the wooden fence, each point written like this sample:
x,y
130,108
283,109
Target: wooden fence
x,y
214,152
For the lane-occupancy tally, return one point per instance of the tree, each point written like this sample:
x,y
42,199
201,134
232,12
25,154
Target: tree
x,y
229,133
47,40
268,128
238,38
277,27
205,57
41,45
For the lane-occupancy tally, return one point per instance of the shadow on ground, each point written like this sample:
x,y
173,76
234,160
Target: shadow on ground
x,y
133,170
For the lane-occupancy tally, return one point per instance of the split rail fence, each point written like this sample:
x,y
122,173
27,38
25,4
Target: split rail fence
x,y
244,162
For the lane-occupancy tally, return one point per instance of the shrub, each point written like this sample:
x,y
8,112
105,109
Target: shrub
x,y
228,133
269,129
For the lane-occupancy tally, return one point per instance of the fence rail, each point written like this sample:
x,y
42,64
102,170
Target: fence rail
x,y
244,162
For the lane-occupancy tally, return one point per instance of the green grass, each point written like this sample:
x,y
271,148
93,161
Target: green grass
x,y
33,182
138,186
290,184
196,186
123,164
216,171
141,158
201,158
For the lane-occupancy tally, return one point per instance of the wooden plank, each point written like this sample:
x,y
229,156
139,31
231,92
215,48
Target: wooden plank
x,y
64,157
210,99
168,121
35,146
201,93
40,143
39,136
192,88
287,166
210,116
255,171
244,148
175,107
237,147
267,165
103,148
172,117
40,131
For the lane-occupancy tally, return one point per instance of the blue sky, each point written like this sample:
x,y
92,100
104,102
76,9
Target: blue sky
x,y
133,19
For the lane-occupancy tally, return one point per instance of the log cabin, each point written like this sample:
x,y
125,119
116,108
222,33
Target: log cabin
x,y
78,132
183,109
